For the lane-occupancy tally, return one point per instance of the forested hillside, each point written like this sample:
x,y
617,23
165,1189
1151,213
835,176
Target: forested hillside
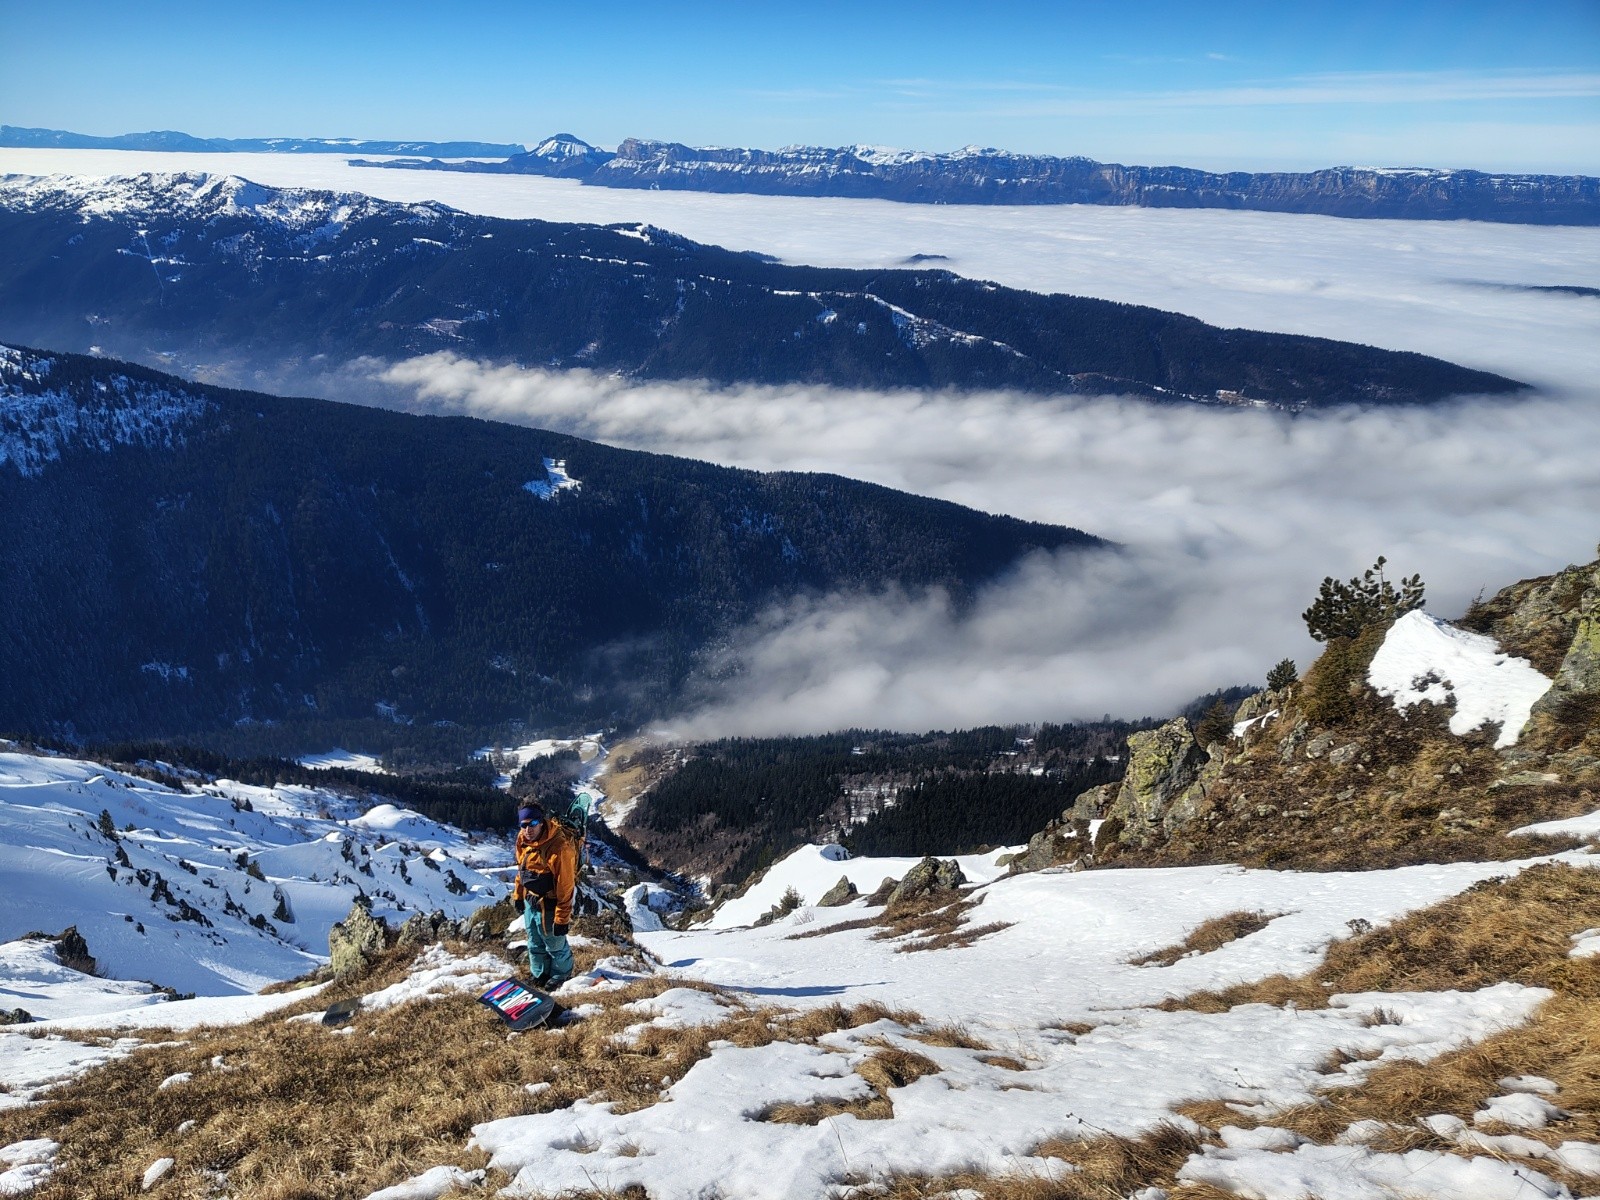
x,y
736,805
233,276
182,558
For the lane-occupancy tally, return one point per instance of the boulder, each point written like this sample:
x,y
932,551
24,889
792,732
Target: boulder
x,y
421,928
1163,765
357,939
884,890
73,952
840,893
16,1016
929,875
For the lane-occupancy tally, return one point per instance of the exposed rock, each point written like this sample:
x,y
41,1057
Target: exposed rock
x,y
929,875
73,952
1345,754
884,890
422,928
1320,745
486,923
1093,804
16,1016
1163,764
354,941
840,893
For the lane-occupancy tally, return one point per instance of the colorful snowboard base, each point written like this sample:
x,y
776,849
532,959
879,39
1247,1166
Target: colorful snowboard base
x,y
520,1005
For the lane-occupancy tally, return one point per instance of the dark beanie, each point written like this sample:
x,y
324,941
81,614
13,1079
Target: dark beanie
x,y
529,812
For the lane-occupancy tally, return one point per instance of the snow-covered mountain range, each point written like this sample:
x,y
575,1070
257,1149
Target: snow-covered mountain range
x,y
985,175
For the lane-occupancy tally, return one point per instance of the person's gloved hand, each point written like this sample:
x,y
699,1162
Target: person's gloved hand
x,y
559,929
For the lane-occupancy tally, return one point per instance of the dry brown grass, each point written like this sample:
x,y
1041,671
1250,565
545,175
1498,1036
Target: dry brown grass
x,y
956,1037
299,1112
1101,1168
1208,936
1515,929
1561,1043
936,920
891,1067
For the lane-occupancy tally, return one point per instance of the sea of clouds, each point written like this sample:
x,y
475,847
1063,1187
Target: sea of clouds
x,y
1227,518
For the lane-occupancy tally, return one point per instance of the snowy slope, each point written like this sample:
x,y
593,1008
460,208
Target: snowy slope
x,y
1029,991
171,899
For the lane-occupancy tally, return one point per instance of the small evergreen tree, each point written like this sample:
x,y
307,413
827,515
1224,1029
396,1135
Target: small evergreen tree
x,y
1215,726
1343,610
106,826
1282,675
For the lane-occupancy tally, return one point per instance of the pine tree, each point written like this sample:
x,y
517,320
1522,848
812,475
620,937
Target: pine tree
x,y
1282,675
1343,610
106,825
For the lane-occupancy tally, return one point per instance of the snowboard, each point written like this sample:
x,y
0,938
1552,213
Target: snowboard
x,y
520,1005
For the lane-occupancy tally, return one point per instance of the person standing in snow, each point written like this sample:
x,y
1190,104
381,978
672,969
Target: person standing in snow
x,y
547,877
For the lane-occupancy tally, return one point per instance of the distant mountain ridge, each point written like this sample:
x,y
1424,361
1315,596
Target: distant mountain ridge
x,y
983,175
181,558
23,137
223,271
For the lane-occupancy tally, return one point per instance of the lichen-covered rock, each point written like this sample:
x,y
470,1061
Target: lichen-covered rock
x,y
16,1016
884,890
1162,764
1093,804
840,893
931,874
354,941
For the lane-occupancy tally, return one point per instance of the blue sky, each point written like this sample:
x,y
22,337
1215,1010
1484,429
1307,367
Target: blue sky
x,y
1510,86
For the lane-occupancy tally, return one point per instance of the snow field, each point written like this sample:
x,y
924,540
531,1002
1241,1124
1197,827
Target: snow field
x,y
1424,658
172,897
1024,991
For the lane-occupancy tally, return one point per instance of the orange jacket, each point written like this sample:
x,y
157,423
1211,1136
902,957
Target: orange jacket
x,y
548,872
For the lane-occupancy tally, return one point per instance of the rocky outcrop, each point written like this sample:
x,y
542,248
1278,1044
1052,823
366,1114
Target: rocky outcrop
x,y
840,893
73,952
929,875
421,928
356,940
1168,776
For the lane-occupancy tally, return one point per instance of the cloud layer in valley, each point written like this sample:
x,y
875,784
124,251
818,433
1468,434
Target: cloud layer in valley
x,y
1228,519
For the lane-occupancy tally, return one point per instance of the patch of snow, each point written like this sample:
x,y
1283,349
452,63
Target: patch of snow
x,y
812,870
348,760
1241,728
556,480
1354,1173
1424,658
1585,826
27,1165
437,972
678,1008
157,1171
1585,944
1520,1110
174,1080
430,1185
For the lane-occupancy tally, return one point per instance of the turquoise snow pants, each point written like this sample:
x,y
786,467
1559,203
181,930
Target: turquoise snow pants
x,y
549,955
